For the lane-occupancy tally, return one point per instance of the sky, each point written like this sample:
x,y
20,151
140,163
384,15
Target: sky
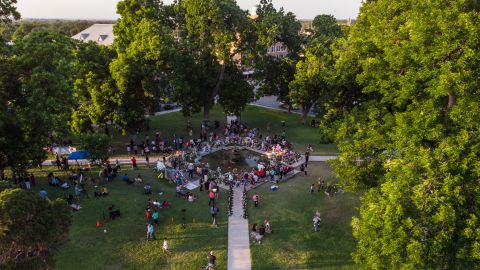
x,y
106,9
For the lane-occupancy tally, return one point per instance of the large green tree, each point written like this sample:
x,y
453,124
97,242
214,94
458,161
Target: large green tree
x,y
35,84
314,72
95,91
413,141
142,44
271,26
215,33
30,229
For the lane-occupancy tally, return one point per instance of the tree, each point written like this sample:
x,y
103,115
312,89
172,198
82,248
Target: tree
x,y
35,84
30,228
8,11
95,91
312,78
216,32
97,145
413,141
273,75
144,46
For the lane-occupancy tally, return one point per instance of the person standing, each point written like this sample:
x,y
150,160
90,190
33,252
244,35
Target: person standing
x,y
155,217
211,261
307,158
27,183
58,162
32,179
134,163
312,188
255,200
211,201
319,184
214,211
151,231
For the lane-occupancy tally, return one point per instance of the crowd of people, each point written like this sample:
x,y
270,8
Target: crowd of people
x,y
182,157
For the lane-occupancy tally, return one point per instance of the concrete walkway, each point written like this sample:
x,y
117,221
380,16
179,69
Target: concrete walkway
x,y
238,237
153,160
321,158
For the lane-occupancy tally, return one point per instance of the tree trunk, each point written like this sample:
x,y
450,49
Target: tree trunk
x,y
206,114
305,111
221,75
451,101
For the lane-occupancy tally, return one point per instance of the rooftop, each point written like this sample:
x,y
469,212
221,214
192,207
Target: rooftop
x,y
99,33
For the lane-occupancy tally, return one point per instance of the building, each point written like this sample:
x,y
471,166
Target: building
x,y
101,34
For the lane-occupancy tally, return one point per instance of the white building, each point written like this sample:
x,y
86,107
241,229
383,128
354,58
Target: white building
x,y
101,34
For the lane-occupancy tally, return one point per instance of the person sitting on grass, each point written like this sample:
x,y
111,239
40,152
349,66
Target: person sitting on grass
x,y
255,235
103,192
157,204
165,245
43,193
166,204
328,190
180,191
125,178
268,227
138,179
147,189
71,203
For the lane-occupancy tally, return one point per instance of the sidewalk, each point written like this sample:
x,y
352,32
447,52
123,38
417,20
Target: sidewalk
x,y
153,160
238,238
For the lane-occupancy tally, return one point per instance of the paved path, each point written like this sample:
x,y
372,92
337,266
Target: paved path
x,y
153,160
320,158
238,237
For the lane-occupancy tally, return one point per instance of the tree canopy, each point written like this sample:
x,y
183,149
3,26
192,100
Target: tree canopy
x,y
413,139
30,227
35,84
312,82
272,26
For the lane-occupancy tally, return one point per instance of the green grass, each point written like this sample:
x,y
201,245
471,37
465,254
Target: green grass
x,y
293,243
124,246
175,123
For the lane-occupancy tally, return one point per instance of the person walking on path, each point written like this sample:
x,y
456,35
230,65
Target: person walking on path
x,y
255,200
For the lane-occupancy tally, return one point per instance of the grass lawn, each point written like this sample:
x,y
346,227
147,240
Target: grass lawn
x,y
175,123
293,243
124,246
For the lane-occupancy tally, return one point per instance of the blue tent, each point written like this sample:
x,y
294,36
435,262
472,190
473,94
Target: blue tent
x,y
79,155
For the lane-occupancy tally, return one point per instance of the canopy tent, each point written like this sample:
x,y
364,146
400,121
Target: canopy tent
x,y
63,150
79,155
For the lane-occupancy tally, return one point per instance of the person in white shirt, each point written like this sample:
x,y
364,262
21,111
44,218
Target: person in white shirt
x,y
165,245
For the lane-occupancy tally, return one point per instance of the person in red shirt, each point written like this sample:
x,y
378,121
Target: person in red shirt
x,y
255,199
134,163
211,195
148,214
